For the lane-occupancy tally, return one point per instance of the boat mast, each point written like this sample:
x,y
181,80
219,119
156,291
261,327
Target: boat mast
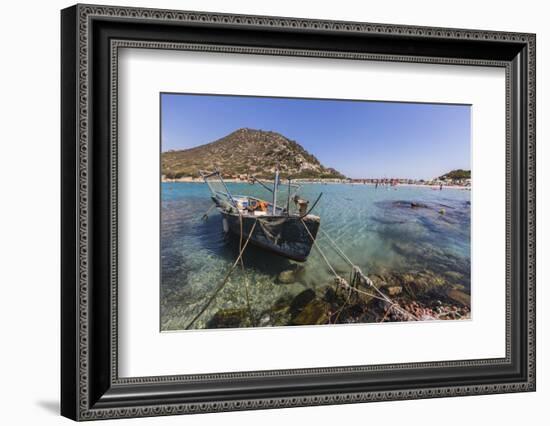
x,y
275,184
288,199
226,189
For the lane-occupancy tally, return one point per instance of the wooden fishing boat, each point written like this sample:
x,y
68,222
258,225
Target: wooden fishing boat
x,y
288,231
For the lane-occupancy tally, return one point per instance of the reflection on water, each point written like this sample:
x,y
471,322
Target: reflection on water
x,y
383,231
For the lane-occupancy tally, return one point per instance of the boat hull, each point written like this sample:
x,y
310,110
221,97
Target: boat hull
x,y
283,235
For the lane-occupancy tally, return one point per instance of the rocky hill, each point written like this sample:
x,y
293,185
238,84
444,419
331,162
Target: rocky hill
x,y
243,152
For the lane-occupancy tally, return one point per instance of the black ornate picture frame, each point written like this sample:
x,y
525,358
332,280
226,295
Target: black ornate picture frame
x,y
91,387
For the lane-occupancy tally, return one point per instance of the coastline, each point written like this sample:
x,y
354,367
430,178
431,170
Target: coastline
x,y
189,179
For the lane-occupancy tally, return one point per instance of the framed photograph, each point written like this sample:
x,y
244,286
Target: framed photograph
x,y
263,212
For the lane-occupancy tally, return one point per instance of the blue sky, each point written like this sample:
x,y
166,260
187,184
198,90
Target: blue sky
x,y
358,138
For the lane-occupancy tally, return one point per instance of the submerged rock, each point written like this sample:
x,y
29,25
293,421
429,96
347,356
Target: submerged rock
x,y
418,205
459,297
330,295
314,313
423,282
455,276
228,318
265,320
300,301
410,204
291,275
282,303
278,315
287,277
413,251
394,290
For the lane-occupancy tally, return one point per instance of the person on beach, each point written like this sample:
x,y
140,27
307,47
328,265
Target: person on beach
x,y
440,186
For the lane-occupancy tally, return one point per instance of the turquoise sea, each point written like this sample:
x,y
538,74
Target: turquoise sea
x,y
376,227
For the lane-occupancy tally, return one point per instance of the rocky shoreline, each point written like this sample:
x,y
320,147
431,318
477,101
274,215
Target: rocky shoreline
x,y
420,295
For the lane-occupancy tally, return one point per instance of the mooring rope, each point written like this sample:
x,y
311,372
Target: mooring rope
x,y
338,249
339,311
356,272
386,299
205,215
320,251
227,275
242,268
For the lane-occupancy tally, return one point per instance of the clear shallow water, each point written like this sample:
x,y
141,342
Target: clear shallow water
x,y
376,228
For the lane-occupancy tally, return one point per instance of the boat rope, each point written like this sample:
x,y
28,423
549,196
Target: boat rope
x,y
242,268
320,251
345,285
338,249
384,298
339,311
341,282
226,278
205,215
312,207
357,276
